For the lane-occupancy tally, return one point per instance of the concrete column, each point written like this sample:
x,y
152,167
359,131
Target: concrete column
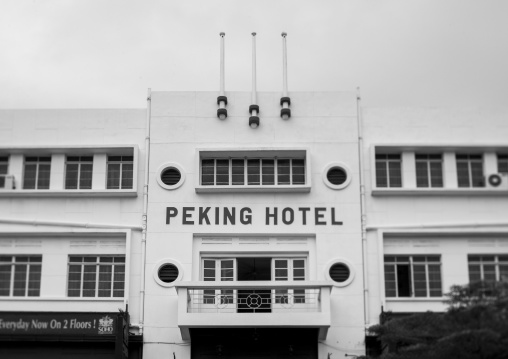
x,y
408,170
99,171
16,169
57,176
450,170
489,164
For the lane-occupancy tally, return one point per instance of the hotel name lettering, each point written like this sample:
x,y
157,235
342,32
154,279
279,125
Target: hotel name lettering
x,y
319,216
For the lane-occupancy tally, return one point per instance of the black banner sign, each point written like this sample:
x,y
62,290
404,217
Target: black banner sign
x,y
28,323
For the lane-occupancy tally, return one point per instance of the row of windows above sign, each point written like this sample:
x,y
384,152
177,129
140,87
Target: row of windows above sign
x,y
90,170
452,169
88,276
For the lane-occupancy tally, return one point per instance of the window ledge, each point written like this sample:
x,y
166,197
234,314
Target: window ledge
x,y
66,299
439,192
68,193
253,189
414,299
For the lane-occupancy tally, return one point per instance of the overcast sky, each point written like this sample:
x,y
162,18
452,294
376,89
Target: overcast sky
x,y
107,53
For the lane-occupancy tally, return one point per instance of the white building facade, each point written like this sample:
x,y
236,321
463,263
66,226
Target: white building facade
x,y
70,232
436,185
228,238
254,234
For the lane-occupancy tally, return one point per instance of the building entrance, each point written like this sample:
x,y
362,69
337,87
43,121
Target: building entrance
x,y
254,343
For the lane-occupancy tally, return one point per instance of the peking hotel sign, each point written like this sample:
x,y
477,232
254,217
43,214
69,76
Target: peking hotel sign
x,y
319,216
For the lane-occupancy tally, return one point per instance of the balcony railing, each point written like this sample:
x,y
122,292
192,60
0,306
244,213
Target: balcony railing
x,y
256,303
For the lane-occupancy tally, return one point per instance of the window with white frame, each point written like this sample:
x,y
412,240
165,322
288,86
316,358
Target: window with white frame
x,y
412,276
289,269
253,171
222,270
96,276
470,170
120,172
37,172
4,165
488,268
78,172
429,170
502,162
233,269
20,275
388,170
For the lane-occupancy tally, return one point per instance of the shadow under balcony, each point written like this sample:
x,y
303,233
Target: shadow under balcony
x,y
298,304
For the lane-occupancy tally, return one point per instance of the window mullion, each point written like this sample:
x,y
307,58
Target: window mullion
x,y
245,172
230,173
275,171
427,279
396,271
429,174
27,275
290,171
13,267
82,284
411,277
97,271
387,165
496,268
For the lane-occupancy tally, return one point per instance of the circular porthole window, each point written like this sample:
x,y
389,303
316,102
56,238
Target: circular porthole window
x,y
340,271
167,272
337,176
170,176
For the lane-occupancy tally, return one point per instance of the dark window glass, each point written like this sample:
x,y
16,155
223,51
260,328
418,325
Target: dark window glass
x,y
238,171
253,172
283,172
470,170
388,170
222,172
298,171
120,172
207,172
268,177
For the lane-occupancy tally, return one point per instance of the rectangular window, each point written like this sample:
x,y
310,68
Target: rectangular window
x,y
78,172
218,270
429,170
470,170
287,269
252,171
490,268
20,276
413,276
388,170
120,172
4,165
502,162
96,276
37,172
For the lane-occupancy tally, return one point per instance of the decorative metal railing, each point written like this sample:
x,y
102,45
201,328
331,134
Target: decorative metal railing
x,y
253,298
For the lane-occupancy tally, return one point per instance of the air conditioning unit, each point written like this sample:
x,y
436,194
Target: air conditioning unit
x,y
6,182
497,180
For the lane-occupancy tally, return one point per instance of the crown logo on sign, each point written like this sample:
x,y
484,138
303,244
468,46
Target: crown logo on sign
x,y
106,321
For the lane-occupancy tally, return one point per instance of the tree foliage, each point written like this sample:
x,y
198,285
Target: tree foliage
x,y
475,326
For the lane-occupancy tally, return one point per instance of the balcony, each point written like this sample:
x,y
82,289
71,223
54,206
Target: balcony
x,y
254,304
